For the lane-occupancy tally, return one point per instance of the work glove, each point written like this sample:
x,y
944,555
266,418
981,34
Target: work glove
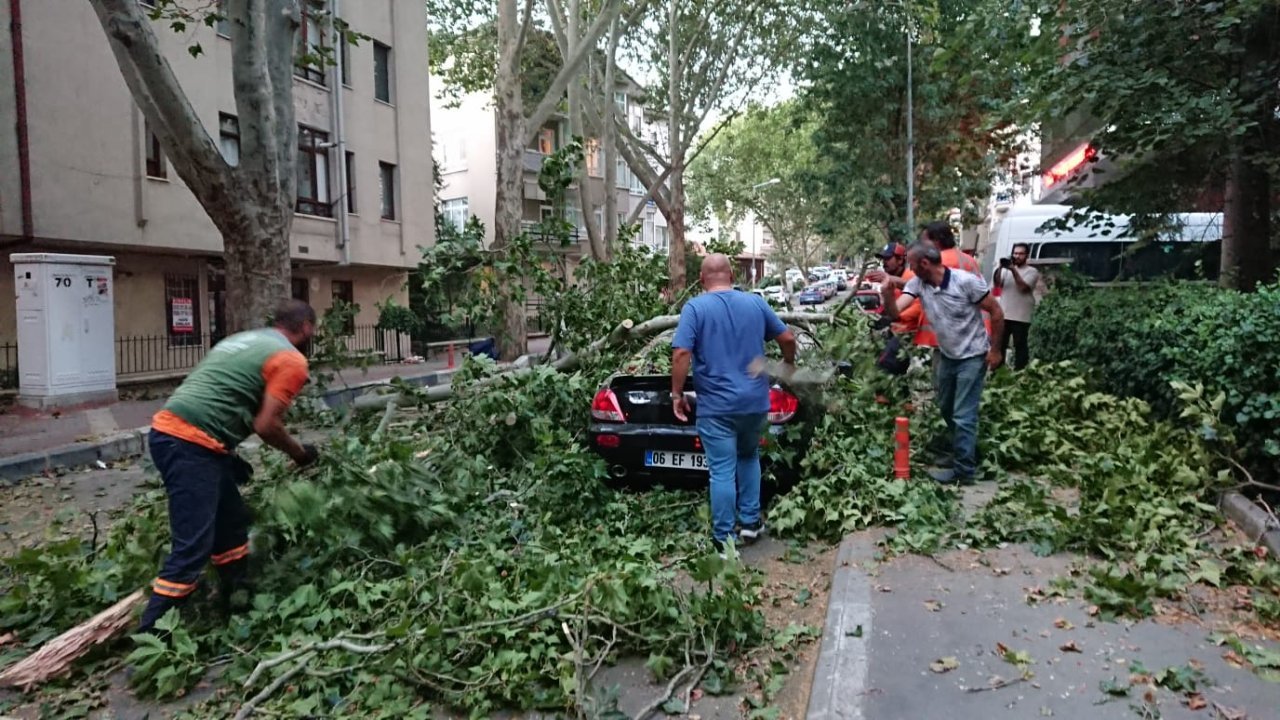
x,y
241,470
309,455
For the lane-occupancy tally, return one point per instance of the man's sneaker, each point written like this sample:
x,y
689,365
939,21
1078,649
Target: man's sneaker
x,y
752,532
949,477
944,460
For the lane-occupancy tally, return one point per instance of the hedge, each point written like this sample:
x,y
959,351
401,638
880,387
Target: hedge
x,y
1138,339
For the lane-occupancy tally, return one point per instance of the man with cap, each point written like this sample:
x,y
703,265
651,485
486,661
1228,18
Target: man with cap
x,y
894,260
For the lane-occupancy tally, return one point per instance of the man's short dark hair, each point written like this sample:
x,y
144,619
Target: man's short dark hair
x,y
1024,246
291,314
925,251
940,232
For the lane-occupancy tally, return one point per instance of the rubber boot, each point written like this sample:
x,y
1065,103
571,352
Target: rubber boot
x,y
157,606
234,590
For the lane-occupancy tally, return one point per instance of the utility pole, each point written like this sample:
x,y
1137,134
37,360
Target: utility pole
x,y
911,138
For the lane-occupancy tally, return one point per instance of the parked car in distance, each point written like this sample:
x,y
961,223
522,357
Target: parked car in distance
x,y
811,295
794,278
819,273
775,293
635,430
868,300
841,276
828,288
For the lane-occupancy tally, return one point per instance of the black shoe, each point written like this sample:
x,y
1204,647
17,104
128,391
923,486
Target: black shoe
x,y
719,546
944,460
749,533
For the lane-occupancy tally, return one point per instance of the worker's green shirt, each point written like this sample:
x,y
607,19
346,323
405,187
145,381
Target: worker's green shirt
x,y
223,394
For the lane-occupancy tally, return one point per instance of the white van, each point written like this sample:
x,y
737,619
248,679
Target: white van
x,y
1108,255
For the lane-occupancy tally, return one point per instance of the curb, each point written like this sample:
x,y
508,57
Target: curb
x,y
114,447
131,443
1255,523
840,676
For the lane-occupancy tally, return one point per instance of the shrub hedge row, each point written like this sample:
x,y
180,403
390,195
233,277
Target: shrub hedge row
x,y
1138,339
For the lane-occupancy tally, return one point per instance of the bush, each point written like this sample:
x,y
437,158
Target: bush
x,y
1140,339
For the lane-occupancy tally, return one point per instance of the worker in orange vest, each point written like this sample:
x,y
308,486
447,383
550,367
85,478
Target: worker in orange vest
x,y
894,260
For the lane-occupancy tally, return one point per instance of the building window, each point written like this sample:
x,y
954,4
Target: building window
x,y
300,289
309,60
456,212
182,308
381,72
620,166
313,173
387,190
223,24
592,152
637,186
229,138
351,182
547,141
661,241
156,166
344,57
620,101
344,294
453,155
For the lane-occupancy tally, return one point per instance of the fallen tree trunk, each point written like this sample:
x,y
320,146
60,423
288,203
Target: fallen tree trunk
x,y
55,657
625,330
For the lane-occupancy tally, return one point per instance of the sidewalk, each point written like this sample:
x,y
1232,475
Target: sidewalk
x,y
25,432
887,623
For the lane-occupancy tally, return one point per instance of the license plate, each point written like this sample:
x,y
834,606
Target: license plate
x,y
676,460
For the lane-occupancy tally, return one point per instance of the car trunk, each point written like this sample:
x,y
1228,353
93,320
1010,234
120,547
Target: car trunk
x,y
646,399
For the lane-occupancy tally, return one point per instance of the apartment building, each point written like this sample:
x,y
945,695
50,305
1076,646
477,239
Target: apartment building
x,y
465,134
99,184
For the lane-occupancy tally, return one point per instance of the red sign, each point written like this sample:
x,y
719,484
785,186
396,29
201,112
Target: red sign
x,y
184,315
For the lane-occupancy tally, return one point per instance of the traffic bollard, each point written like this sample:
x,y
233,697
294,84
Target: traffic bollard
x,y
902,449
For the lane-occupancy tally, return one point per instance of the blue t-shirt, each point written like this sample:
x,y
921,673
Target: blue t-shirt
x,y
726,330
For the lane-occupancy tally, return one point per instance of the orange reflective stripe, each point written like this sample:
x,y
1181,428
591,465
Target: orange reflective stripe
x,y
160,586
231,555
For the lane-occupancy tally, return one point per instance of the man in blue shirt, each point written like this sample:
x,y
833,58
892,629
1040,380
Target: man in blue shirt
x,y
722,332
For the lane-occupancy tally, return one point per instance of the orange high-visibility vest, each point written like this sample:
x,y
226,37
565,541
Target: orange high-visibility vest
x,y
955,260
908,320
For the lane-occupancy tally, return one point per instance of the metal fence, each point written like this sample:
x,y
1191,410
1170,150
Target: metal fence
x,y
160,355
8,365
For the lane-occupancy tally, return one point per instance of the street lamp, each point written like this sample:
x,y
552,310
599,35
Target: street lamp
x,y
754,219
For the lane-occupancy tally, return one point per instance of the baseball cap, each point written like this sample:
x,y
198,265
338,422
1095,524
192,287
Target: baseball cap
x,y
891,250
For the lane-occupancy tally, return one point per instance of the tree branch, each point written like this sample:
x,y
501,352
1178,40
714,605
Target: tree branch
x,y
525,22
572,64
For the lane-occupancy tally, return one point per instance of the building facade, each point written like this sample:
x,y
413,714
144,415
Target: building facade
x,y
465,134
99,184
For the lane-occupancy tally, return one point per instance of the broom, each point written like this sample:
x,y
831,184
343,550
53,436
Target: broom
x,y
55,657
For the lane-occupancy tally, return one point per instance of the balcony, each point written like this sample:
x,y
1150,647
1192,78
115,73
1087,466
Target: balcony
x,y
535,230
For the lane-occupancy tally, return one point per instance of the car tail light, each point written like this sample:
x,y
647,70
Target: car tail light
x,y
605,407
608,441
782,406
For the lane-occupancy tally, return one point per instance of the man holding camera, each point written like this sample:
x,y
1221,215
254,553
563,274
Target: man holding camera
x,y
1017,282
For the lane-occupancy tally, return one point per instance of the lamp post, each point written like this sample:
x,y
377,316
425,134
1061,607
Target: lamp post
x,y
911,145
754,219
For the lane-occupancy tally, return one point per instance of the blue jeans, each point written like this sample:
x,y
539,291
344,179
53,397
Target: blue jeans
x,y
732,444
959,389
